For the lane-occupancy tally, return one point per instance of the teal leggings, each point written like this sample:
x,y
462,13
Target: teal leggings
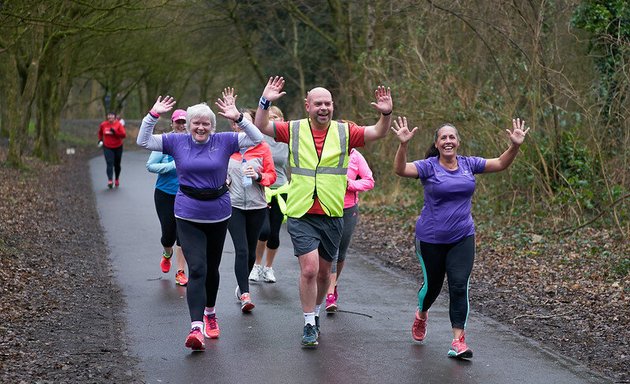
x,y
455,261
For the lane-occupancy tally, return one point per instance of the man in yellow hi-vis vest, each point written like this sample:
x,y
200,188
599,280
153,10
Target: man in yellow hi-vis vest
x,y
319,149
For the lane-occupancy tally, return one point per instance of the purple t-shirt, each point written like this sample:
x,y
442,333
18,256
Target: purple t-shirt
x,y
201,166
446,215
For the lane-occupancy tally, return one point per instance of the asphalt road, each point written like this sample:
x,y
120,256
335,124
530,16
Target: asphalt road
x,y
368,341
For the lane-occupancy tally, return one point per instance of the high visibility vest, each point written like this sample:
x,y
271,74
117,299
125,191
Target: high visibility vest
x,y
312,176
278,192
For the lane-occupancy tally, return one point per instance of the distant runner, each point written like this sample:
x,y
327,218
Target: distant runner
x,y
110,136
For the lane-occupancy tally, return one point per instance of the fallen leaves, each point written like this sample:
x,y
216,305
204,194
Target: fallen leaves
x,y
548,288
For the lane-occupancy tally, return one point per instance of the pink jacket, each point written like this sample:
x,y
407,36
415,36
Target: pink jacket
x,y
359,178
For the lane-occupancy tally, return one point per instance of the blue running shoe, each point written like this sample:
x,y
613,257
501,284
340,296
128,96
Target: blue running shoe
x,y
309,338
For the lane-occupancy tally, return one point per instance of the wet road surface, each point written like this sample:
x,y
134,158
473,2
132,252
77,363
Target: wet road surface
x,y
368,341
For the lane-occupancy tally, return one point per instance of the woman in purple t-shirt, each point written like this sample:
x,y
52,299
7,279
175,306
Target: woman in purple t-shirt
x,y
445,232
202,203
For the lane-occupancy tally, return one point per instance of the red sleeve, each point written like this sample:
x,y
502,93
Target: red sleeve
x,y
357,135
282,131
268,174
120,130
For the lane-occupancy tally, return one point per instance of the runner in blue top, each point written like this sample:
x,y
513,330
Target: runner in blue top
x,y
166,187
445,232
202,203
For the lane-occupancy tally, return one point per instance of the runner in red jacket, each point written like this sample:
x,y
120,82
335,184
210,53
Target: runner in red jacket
x,y
110,136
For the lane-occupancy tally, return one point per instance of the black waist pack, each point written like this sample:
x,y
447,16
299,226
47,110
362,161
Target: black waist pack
x,y
203,193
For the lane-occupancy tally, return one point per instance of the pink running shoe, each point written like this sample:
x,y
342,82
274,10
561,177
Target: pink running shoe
x,y
181,279
165,263
211,327
246,303
331,303
460,349
195,340
419,327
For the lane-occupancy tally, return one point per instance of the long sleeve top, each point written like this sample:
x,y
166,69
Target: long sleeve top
x,y
200,165
164,166
112,134
253,196
359,178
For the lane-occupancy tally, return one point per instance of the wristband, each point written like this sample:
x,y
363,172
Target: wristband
x,y
387,114
154,114
264,103
240,118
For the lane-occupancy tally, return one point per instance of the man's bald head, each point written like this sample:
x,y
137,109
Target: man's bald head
x,y
318,92
319,106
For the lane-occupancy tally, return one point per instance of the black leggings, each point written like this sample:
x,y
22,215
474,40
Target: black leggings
x,y
270,231
244,229
456,261
165,208
202,244
113,156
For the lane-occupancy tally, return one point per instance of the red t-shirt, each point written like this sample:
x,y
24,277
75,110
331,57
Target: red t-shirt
x,y
357,139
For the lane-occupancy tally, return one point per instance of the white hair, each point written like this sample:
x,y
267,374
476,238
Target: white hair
x,y
200,110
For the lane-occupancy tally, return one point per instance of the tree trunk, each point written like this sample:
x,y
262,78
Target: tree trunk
x,y
19,83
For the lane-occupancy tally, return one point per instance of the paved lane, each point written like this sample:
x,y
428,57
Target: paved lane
x,y
369,342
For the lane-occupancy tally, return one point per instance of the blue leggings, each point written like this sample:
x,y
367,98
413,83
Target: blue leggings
x,y
202,244
455,261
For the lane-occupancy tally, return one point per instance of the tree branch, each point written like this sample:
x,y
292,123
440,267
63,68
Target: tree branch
x,y
601,213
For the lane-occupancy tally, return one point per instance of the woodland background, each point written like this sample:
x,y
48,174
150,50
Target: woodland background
x,y
563,66
560,65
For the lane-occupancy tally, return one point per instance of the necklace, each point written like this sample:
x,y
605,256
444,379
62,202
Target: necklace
x,y
450,167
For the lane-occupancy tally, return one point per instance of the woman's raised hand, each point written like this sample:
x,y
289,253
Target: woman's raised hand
x,y
163,105
228,96
227,104
273,89
401,130
518,132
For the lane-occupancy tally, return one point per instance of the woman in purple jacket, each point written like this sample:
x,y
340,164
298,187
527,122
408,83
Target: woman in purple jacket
x,y
445,232
202,204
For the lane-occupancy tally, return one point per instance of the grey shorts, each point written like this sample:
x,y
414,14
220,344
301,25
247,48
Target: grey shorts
x,y
311,232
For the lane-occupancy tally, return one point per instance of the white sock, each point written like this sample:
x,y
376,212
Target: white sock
x,y
309,318
317,308
209,311
196,324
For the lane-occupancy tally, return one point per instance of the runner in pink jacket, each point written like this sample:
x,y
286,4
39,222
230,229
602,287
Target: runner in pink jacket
x,y
359,180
